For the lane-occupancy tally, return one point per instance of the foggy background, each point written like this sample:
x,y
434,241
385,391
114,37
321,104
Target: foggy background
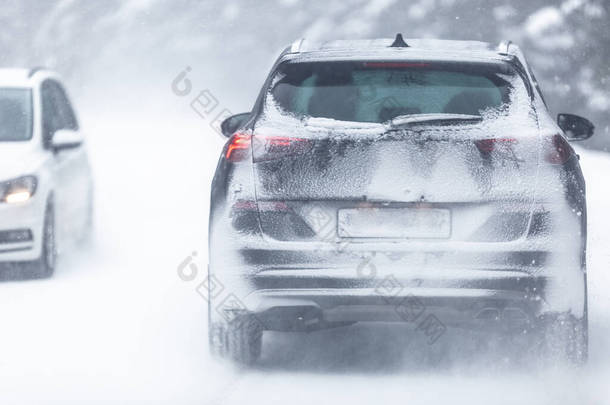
x,y
127,46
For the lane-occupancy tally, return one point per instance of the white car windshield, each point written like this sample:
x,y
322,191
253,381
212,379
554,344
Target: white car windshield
x,y
15,114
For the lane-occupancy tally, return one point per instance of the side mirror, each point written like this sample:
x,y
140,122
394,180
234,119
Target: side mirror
x,y
576,128
233,123
66,139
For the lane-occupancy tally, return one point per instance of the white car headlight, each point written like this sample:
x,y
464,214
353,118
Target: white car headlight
x,y
18,190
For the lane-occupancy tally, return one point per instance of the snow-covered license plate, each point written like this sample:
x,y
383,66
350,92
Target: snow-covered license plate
x,y
394,223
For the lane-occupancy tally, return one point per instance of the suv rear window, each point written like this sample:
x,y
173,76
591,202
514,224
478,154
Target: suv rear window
x,y
381,91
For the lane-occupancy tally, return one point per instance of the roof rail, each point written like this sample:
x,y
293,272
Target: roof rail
x,y
504,47
35,70
296,45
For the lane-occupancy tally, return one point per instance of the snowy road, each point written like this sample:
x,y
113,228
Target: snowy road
x,y
116,323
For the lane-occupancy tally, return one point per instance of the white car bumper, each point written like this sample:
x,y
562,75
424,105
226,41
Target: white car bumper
x,y
21,230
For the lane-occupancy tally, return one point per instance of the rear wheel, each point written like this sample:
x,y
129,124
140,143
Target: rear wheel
x,y
217,335
244,338
217,341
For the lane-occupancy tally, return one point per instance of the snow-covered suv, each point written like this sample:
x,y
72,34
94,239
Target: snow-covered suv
x,y
45,179
393,180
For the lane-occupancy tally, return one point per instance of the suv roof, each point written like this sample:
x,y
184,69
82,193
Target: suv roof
x,y
382,48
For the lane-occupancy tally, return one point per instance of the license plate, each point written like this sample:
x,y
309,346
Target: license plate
x,y
394,223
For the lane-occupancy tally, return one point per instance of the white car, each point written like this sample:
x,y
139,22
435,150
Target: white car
x,y
46,187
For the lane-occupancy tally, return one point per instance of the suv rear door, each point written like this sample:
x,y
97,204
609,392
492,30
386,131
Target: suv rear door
x,y
459,179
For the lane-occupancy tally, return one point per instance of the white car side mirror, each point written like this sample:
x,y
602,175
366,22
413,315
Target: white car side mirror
x,y
66,139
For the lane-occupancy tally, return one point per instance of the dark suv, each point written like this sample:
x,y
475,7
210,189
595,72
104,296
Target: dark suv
x,y
392,180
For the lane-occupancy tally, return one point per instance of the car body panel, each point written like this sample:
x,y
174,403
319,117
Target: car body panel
x,y
274,273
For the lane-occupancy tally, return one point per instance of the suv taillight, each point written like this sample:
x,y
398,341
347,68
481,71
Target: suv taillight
x,y
557,150
268,147
265,147
238,147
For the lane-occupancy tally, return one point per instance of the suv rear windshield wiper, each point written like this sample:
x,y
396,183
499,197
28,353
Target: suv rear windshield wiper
x,y
446,119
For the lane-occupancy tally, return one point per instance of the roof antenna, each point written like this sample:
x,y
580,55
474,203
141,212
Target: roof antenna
x,y
399,42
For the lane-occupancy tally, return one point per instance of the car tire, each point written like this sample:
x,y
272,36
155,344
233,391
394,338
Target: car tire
x,y
45,265
218,341
244,338
217,336
564,338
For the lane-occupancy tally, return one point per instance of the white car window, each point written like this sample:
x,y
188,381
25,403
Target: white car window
x,y
15,114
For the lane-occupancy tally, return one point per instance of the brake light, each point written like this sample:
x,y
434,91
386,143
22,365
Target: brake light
x,y
238,147
274,147
486,146
557,150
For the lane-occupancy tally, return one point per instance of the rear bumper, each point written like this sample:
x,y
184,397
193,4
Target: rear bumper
x,y
469,298
456,307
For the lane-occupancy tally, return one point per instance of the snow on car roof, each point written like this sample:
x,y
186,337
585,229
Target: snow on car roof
x,y
380,48
380,43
